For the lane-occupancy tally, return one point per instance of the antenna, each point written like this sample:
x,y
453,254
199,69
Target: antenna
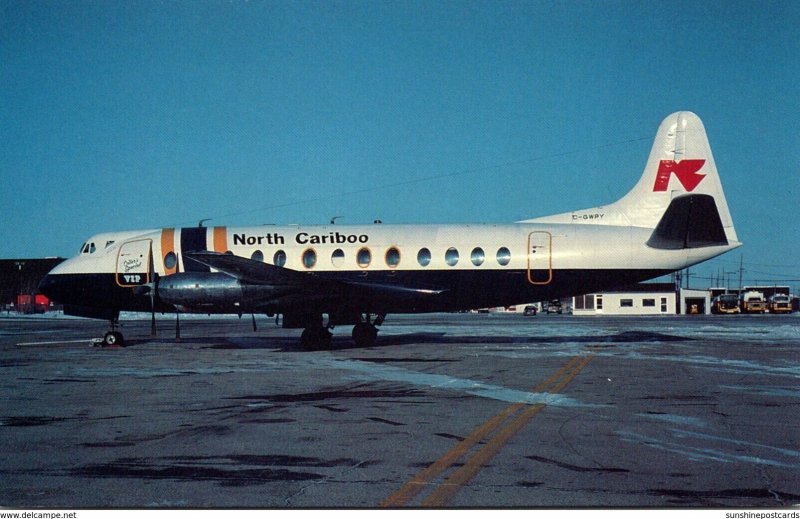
x,y
333,220
200,223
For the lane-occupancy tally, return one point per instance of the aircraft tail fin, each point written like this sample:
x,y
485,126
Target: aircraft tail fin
x,y
680,167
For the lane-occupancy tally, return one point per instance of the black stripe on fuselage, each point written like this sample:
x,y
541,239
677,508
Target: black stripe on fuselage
x,y
463,290
193,239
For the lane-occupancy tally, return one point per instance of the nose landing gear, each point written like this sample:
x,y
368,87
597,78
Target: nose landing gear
x,y
113,337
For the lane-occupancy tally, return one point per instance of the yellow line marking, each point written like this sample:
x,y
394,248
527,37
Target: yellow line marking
x,y
444,492
413,487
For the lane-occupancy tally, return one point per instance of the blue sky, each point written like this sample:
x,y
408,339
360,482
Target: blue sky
x,y
128,115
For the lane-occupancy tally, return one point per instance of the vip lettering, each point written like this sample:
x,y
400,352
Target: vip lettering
x,y
332,237
268,239
132,279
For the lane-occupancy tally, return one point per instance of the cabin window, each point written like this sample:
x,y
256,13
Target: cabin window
x,y
309,258
337,258
279,259
451,256
170,260
477,256
626,303
364,257
503,256
393,257
257,256
424,257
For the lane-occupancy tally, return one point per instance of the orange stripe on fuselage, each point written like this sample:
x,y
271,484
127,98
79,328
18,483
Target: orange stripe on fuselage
x,y
220,239
167,246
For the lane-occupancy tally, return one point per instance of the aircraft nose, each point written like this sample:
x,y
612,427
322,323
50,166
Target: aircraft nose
x,y
52,286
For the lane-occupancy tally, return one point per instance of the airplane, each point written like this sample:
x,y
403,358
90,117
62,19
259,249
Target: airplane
x,y
319,277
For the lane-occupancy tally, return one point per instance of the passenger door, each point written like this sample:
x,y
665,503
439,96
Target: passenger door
x,y
540,263
134,263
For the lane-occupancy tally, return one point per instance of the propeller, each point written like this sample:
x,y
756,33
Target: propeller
x,y
153,285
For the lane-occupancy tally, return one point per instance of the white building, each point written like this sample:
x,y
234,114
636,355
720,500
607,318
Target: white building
x,y
695,301
644,299
641,299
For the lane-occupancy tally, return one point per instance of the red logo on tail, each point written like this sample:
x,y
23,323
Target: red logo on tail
x,y
685,170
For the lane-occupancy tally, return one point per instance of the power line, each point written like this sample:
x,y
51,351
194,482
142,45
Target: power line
x,y
428,178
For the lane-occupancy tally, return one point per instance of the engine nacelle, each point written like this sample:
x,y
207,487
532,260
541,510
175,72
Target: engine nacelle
x,y
198,289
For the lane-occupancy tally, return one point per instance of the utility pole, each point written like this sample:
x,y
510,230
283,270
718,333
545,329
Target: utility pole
x,y
741,270
19,265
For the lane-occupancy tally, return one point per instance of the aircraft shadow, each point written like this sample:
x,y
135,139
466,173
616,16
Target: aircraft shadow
x,y
292,344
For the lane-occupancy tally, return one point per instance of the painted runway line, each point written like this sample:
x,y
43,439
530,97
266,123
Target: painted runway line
x,y
445,491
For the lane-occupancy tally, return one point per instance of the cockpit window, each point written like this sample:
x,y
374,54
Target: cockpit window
x,y
92,248
109,243
84,248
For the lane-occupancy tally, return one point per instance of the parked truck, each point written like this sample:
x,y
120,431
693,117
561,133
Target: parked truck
x,y
780,304
752,302
725,304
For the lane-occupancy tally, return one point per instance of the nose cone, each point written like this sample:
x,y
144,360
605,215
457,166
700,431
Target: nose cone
x,y
53,287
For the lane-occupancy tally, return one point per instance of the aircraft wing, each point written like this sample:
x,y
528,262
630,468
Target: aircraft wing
x,y
258,273
251,271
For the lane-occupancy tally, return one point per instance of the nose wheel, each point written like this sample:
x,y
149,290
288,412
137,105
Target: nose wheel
x,y
113,338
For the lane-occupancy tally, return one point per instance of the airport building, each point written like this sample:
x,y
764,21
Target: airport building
x,y
19,284
640,299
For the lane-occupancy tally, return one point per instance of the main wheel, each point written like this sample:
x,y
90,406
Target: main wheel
x,y
316,338
364,335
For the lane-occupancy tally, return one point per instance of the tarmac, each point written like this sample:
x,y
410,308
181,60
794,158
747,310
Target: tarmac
x,y
446,410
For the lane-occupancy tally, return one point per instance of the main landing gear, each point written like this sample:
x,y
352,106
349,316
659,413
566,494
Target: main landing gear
x,y
365,333
316,338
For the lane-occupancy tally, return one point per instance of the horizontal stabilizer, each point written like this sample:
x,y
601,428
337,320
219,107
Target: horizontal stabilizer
x,y
690,221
